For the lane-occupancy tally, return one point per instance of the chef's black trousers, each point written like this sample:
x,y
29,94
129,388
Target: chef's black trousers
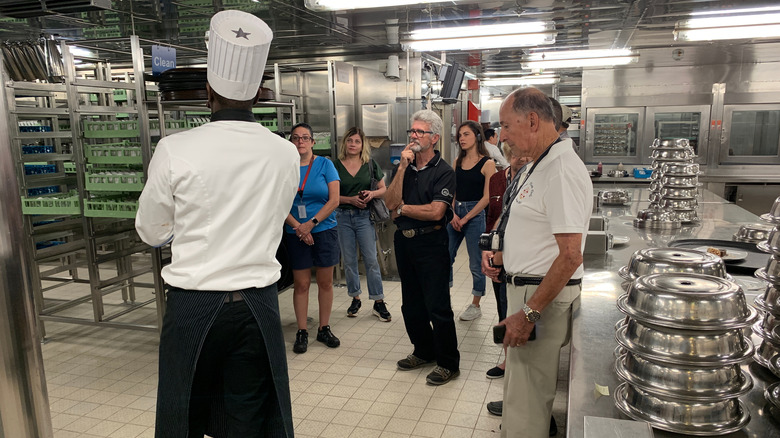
x,y
233,364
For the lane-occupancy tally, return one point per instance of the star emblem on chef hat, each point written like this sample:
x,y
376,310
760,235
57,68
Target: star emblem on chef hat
x,y
241,34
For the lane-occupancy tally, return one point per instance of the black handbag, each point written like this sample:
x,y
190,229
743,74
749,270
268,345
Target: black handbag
x,y
377,208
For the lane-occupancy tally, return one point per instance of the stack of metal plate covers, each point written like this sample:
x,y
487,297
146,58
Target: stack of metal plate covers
x,y
682,343
675,184
769,302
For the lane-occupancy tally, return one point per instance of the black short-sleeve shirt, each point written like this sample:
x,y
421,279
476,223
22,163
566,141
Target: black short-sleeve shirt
x,y
433,182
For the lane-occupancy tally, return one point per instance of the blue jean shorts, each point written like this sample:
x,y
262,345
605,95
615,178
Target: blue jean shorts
x,y
324,252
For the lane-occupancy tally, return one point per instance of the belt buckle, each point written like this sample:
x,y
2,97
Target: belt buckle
x,y
409,233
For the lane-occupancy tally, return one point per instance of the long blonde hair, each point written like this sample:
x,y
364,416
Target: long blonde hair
x,y
365,152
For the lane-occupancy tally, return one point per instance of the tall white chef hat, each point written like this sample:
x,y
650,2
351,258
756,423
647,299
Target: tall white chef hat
x,y
238,48
566,118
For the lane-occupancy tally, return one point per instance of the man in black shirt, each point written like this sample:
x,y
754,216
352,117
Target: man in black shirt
x,y
419,197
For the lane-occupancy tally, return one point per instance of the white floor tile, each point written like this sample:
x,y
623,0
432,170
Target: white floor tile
x,y
102,382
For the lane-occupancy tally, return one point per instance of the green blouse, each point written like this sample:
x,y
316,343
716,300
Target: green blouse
x,y
352,185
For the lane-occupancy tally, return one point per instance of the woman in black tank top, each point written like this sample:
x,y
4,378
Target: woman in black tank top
x,y
473,169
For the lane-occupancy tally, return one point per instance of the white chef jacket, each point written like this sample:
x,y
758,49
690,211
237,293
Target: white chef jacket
x,y
221,193
556,198
497,156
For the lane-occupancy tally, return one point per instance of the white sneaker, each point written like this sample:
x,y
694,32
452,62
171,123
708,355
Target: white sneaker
x,y
471,313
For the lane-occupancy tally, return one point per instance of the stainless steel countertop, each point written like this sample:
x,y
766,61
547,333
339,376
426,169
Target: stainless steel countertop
x,y
593,334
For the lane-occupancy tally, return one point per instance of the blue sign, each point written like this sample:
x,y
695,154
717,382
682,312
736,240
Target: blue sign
x,y
163,58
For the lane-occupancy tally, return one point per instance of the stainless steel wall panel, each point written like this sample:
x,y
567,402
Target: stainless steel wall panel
x,y
371,86
315,100
343,77
24,403
376,119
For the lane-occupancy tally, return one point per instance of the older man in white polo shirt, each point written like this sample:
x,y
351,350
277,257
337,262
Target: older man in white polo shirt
x,y
545,227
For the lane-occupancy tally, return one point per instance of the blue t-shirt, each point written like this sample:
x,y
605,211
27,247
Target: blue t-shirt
x,y
315,194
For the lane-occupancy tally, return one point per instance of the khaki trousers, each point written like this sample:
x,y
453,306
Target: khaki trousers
x,y
532,370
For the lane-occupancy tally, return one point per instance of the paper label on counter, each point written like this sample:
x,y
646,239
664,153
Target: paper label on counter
x,y
600,390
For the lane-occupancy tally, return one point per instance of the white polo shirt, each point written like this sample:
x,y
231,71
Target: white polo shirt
x,y
557,198
497,156
221,193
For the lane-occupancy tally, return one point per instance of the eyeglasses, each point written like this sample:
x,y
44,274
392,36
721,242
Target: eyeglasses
x,y
299,138
418,132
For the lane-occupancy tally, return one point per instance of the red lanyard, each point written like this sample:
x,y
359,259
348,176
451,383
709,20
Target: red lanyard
x,y
303,184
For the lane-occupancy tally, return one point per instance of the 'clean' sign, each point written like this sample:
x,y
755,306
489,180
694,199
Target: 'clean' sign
x,y
163,58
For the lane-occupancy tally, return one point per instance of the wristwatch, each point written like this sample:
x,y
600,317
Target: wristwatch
x,y
314,221
399,210
531,315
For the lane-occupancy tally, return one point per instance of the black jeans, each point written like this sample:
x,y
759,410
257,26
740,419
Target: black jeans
x,y
233,364
424,266
499,289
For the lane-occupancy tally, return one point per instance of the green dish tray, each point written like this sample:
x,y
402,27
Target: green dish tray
x,y
169,124
270,124
110,207
114,153
69,166
114,183
119,129
51,205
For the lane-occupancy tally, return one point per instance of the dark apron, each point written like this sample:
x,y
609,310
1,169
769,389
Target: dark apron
x,y
188,318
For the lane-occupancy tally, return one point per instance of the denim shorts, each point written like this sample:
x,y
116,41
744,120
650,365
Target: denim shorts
x,y
324,252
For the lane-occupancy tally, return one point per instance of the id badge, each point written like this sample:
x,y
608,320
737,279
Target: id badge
x,y
302,211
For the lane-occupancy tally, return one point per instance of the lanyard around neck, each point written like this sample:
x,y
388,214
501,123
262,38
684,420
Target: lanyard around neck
x,y
512,191
303,183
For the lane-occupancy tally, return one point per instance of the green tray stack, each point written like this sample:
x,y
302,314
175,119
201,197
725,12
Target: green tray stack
x,y
111,206
56,204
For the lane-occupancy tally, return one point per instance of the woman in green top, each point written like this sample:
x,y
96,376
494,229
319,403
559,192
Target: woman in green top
x,y
354,222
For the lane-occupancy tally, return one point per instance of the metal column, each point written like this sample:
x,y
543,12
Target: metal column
x,y
24,402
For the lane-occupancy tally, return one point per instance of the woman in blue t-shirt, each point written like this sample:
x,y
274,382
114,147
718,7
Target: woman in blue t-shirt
x,y
311,237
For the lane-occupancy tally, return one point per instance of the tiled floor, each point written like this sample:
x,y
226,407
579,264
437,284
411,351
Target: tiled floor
x,y
102,382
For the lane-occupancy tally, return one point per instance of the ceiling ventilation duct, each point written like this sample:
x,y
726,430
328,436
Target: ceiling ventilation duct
x,y
28,9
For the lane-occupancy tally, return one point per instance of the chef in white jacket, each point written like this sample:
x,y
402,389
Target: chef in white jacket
x,y
219,193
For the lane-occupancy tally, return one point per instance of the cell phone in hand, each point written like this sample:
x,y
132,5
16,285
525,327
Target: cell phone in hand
x,y
499,331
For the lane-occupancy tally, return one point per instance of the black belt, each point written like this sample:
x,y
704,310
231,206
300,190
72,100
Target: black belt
x,y
413,232
518,280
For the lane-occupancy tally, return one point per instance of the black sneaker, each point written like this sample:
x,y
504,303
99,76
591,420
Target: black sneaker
x,y
411,362
441,375
301,342
327,337
553,427
380,310
495,373
354,307
496,407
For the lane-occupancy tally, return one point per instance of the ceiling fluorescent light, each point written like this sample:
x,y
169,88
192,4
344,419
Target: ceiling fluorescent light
x,y
479,30
728,27
578,58
735,11
481,37
522,80
476,43
341,5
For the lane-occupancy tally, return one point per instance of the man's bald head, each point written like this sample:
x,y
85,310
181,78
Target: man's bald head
x,y
527,100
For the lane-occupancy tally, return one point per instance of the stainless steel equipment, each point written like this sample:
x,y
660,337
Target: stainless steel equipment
x,y
687,301
672,260
680,415
657,218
